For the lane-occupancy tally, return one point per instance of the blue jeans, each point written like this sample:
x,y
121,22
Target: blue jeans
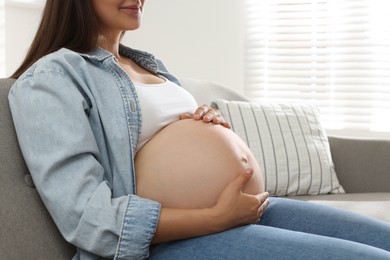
x,y
290,229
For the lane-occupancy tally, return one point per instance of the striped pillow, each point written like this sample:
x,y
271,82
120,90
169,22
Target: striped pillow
x,y
289,143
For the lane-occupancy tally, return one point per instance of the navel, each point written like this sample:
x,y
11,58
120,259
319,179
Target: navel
x,y
244,159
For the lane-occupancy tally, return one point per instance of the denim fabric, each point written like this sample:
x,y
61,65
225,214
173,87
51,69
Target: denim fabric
x,y
290,229
78,121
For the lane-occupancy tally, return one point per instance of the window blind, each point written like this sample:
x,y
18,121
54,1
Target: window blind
x,y
334,54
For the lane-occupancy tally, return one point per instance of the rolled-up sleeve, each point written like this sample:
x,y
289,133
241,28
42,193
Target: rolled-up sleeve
x,y
50,114
136,236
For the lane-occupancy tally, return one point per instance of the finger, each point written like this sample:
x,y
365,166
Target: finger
x,y
242,179
262,196
201,111
209,116
263,206
227,125
185,116
218,120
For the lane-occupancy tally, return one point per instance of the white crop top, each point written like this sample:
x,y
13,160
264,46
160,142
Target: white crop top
x,y
161,104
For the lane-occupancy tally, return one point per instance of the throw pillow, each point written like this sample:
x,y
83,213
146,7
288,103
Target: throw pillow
x,y
289,143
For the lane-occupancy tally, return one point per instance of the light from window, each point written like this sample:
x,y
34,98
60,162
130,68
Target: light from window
x,y
331,53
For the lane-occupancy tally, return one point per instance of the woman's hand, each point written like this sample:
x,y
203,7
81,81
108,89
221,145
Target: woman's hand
x,y
207,114
235,208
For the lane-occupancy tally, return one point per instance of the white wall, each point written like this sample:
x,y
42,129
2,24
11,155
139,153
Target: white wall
x,y
21,23
197,39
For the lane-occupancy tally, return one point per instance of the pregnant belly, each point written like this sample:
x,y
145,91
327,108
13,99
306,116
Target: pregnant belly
x,y
188,163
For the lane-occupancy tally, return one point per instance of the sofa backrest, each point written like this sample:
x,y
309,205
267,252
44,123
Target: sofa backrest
x,y
206,92
27,230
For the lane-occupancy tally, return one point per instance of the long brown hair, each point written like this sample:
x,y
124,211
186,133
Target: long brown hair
x,y
64,23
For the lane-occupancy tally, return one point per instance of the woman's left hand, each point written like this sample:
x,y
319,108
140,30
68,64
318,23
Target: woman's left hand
x,y
208,115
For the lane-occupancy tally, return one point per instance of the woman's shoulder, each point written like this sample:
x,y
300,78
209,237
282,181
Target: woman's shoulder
x,y
53,73
60,56
58,62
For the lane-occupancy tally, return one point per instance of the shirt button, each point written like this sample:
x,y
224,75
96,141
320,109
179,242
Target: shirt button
x,y
132,106
29,181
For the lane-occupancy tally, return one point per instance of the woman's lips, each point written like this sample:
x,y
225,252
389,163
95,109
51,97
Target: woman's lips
x,y
131,9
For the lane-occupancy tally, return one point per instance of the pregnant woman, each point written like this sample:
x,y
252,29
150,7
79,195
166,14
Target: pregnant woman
x,y
124,178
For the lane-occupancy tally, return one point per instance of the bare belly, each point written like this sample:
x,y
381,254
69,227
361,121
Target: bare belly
x,y
188,163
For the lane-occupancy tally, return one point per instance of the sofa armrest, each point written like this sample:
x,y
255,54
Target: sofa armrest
x,y
362,165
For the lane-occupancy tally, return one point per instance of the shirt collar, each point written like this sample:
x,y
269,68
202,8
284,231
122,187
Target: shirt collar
x,y
144,59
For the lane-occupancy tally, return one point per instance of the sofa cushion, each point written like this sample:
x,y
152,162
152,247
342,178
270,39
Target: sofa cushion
x,y
206,92
289,144
375,205
27,230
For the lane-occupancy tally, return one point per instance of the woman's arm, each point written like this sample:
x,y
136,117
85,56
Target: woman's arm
x,y
233,209
52,119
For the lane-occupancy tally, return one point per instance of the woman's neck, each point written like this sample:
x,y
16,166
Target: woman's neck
x,y
110,44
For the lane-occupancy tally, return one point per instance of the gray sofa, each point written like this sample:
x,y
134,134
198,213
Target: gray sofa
x,y
27,231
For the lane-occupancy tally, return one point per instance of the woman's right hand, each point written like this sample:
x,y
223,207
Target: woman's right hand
x,y
235,208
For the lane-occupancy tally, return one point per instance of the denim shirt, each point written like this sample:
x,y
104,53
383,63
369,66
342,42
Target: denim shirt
x,y
78,121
